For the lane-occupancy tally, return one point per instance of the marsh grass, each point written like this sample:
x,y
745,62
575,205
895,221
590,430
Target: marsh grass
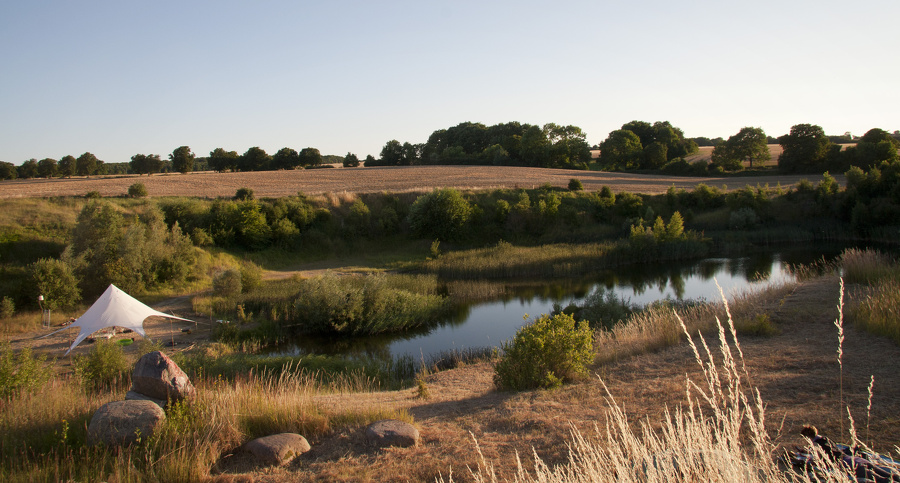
x,y
657,327
879,310
508,261
868,266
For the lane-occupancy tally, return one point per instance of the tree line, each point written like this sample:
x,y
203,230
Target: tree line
x,y
508,144
637,145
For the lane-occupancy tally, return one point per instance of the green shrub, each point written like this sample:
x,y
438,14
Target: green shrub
x,y
137,190
93,195
365,305
243,194
7,308
55,280
545,354
105,366
759,325
22,371
441,214
575,185
227,283
251,276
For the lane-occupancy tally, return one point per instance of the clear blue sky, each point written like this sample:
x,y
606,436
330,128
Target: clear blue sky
x,y
118,78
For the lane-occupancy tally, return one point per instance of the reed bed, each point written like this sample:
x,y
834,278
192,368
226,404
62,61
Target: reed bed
x,y
506,261
879,310
657,326
868,266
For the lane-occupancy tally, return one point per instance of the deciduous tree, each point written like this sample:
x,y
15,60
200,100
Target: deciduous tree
x,y
806,149
286,158
146,163
255,159
750,144
8,170
221,160
47,168
66,166
621,150
86,164
29,169
310,157
182,159
351,161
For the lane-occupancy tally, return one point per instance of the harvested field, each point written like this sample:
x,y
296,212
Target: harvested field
x,y
372,180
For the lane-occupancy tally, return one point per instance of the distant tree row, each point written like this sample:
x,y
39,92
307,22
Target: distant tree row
x,y
641,145
509,144
808,150
85,165
256,159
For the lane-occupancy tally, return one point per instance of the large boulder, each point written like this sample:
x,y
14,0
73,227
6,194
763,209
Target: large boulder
x,y
121,423
158,377
136,396
278,449
391,432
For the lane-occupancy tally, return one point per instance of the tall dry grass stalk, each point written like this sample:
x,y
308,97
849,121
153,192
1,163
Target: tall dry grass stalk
x,y
839,323
869,407
719,437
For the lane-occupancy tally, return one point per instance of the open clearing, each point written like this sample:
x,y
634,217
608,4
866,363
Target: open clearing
x,y
270,184
796,371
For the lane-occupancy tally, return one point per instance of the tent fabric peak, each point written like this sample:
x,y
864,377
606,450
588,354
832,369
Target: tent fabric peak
x,y
114,308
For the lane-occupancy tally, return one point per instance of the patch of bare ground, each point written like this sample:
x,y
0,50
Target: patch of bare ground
x,y
373,180
796,372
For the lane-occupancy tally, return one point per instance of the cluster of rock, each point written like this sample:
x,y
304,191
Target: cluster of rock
x,y
158,382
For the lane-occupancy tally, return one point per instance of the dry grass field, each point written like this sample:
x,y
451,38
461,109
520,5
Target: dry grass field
x,y
372,180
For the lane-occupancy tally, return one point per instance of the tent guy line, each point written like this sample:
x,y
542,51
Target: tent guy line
x,y
113,308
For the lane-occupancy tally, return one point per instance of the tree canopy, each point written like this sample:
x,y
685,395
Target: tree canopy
x,y
640,144
310,157
87,164
221,160
806,149
286,158
182,159
146,163
749,144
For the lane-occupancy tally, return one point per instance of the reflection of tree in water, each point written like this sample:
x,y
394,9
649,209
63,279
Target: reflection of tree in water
x,y
759,267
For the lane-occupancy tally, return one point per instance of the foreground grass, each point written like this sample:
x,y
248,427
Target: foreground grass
x,y
42,433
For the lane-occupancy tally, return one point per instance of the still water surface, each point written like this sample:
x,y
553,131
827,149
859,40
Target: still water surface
x,y
488,324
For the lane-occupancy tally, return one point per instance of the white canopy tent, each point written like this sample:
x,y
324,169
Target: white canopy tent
x,y
114,308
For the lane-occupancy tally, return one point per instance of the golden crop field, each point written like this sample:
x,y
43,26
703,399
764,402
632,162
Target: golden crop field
x,y
371,180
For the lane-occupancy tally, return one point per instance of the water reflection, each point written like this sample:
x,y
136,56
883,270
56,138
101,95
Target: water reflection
x,y
487,324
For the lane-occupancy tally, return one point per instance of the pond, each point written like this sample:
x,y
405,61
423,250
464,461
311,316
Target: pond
x,y
487,324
